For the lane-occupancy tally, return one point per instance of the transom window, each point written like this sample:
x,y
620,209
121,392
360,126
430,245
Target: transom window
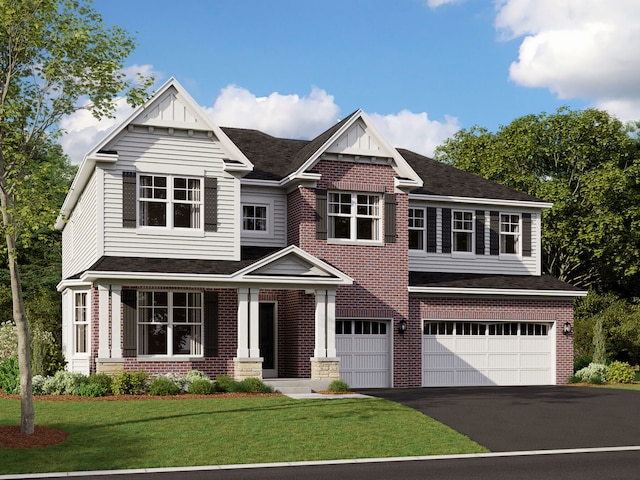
x,y
416,228
169,323
509,233
80,323
173,202
462,231
354,216
361,327
254,218
484,328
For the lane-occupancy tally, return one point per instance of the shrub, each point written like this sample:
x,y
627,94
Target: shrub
x,y
37,384
201,386
580,362
101,379
339,386
593,373
129,383
251,385
64,383
8,340
163,385
10,375
620,372
224,383
92,390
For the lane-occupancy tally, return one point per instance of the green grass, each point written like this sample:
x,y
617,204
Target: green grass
x,y
622,386
107,435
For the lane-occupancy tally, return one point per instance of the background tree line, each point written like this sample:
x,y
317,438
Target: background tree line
x,y
586,163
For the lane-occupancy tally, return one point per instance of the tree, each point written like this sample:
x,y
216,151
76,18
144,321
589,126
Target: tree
x,y
587,164
56,56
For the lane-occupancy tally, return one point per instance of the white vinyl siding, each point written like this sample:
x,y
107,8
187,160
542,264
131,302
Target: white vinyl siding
x,y
479,262
180,155
80,235
276,202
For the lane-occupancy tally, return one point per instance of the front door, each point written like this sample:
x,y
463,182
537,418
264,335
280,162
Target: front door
x,y
267,340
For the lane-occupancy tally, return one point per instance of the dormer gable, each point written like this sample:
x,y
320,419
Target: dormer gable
x,y
171,109
358,140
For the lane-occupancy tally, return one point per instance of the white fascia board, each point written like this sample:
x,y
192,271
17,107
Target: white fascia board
x,y
72,284
497,292
479,201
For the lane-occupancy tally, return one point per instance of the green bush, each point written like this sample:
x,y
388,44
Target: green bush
x,y
101,379
93,390
37,384
64,383
251,385
129,383
163,385
201,387
593,373
339,386
620,372
224,383
10,375
580,362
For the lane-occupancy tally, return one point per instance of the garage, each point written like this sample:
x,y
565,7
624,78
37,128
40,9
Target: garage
x,y
463,353
364,348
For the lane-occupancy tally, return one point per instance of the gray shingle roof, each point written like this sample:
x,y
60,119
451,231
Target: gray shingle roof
x,y
492,281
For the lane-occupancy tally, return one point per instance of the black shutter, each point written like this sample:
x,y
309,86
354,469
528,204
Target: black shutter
x,y
210,324
446,230
129,199
210,204
494,235
321,214
479,232
431,230
526,234
390,218
129,323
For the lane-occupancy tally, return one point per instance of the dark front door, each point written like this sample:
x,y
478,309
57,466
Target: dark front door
x,y
267,342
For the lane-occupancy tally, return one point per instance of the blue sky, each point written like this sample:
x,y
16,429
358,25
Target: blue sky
x,y
422,69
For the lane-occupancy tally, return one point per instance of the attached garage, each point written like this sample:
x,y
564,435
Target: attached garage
x,y
364,348
463,353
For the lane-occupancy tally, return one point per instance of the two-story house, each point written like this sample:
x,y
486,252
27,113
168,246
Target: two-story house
x,y
191,246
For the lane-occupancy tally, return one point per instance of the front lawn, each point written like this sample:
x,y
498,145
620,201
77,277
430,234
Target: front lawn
x,y
148,433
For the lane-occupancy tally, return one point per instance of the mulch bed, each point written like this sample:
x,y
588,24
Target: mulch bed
x,y
10,437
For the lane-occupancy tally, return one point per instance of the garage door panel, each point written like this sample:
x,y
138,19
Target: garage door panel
x,y
499,360
473,360
509,345
365,356
539,361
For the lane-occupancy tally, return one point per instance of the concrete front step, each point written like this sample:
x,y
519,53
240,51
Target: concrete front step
x,y
296,385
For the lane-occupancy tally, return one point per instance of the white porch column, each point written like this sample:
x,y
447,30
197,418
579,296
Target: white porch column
x,y
103,322
331,323
254,324
243,323
116,321
320,350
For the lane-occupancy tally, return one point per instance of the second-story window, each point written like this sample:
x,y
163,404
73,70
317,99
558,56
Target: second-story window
x,y
354,216
510,233
254,218
172,202
416,228
462,231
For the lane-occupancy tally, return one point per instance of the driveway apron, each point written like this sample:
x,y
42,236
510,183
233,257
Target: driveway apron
x,y
530,418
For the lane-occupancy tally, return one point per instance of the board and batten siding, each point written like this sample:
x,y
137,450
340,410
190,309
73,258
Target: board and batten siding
x,y
478,262
177,154
276,202
80,234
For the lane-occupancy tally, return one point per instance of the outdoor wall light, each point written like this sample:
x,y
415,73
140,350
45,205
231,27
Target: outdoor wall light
x,y
567,328
402,326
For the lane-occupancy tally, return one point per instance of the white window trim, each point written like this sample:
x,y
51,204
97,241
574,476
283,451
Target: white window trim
x,y
256,201
86,322
472,252
422,229
169,228
353,219
518,254
170,355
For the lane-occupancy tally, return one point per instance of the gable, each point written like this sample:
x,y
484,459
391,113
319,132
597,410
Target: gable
x,y
357,140
291,266
171,110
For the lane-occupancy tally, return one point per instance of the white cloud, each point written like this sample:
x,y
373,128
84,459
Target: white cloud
x,y
438,3
414,131
576,48
289,116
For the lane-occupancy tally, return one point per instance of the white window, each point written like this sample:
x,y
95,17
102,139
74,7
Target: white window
x,y
80,323
169,323
509,233
254,218
354,216
172,202
462,232
416,228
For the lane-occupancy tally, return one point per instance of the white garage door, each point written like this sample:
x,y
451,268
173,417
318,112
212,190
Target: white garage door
x,y
365,353
487,353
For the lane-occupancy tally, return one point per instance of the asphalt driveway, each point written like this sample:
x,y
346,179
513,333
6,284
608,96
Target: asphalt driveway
x,y
530,418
